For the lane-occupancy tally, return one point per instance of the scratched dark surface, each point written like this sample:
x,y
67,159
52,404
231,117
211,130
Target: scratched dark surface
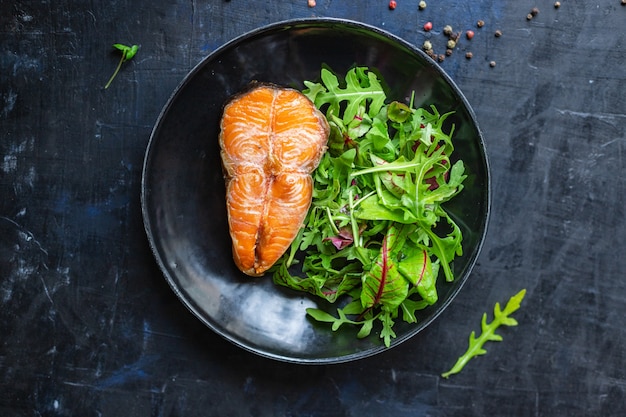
x,y
89,327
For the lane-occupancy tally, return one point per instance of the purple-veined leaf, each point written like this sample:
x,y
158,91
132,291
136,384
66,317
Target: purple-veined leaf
x,y
343,239
383,284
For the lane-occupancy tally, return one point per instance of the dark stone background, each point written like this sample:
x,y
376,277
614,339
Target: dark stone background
x,y
88,326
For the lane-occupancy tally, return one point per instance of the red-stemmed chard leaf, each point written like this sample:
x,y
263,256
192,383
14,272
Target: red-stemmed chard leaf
x,y
382,284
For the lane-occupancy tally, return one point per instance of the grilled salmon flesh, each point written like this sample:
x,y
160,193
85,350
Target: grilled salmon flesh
x,y
271,140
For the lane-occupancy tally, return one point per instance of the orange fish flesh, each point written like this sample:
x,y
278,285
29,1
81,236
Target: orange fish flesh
x,y
272,138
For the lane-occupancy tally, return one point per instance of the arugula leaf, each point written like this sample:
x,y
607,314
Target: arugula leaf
x,y
409,307
387,332
501,317
362,87
377,231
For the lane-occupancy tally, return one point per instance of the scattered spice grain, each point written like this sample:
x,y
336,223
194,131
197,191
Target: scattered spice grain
x,y
448,51
498,33
392,4
427,46
441,57
469,55
422,5
469,34
492,64
428,26
557,4
533,12
480,23
447,30
451,44
312,3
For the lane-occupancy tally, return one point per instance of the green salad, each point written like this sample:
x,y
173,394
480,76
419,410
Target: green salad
x,y
377,235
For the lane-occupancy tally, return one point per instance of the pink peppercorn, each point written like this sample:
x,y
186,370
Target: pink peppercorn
x,y
392,4
428,26
469,34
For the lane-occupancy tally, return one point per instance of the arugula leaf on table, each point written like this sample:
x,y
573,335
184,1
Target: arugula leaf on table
x,y
501,317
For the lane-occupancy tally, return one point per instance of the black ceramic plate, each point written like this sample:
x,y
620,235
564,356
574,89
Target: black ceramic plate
x,y
183,190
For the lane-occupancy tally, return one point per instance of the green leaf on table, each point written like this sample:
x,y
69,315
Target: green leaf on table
x,y
488,332
128,52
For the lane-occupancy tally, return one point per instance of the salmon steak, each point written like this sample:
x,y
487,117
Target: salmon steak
x,y
271,139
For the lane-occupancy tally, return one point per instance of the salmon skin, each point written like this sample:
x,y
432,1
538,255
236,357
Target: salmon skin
x,y
271,139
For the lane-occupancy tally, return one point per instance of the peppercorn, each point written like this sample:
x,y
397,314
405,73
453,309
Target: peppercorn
x,y
492,64
529,16
534,11
312,3
448,51
447,30
422,5
623,2
451,44
428,26
469,55
469,34
498,33
428,46
480,23
558,4
392,4
441,57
